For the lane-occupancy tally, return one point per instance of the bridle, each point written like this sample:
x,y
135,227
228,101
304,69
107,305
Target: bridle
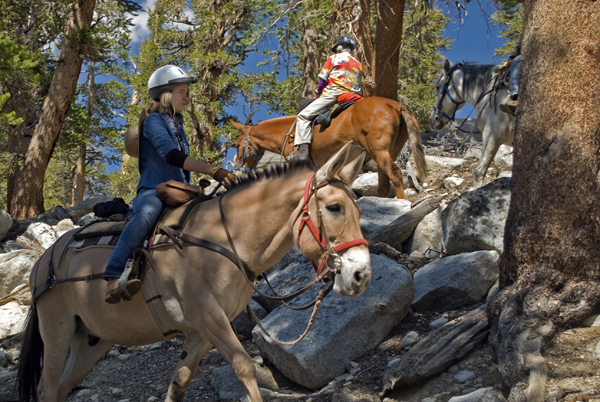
x,y
330,252
248,149
438,106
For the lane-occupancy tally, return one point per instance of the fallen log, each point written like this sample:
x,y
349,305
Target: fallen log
x,y
396,232
438,351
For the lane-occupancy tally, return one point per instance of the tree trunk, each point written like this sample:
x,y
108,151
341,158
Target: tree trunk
x,y
311,63
79,182
388,39
28,199
549,271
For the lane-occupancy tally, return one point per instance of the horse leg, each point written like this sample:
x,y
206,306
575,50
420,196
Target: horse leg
x,y
388,171
217,330
488,151
56,332
192,352
82,358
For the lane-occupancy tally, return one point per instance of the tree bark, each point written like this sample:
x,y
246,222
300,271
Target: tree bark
x,y
311,63
550,270
388,39
28,199
79,181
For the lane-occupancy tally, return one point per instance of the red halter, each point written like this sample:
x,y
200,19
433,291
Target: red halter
x,y
330,251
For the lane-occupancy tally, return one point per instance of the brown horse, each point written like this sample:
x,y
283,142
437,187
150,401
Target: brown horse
x,y
202,291
380,125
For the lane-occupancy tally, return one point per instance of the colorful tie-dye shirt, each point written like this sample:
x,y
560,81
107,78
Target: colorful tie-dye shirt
x,y
343,73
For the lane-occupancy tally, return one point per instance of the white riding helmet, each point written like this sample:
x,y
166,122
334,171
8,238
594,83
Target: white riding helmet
x,y
166,78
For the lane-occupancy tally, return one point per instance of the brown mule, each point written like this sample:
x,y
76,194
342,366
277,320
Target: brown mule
x,y
202,290
380,125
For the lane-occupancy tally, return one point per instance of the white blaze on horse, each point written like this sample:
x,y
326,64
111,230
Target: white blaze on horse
x,y
258,221
477,86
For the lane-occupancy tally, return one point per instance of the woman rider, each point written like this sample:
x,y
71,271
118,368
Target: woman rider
x,y
163,156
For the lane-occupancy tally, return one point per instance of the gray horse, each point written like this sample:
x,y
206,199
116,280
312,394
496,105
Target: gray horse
x,y
476,85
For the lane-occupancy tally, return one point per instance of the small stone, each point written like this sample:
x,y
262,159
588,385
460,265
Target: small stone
x,y
428,399
84,392
113,353
116,392
352,367
96,397
124,356
409,339
438,323
156,345
453,369
125,400
555,395
464,376
152,399
393,362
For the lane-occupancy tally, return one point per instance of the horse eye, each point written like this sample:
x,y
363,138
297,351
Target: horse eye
x,y
336,208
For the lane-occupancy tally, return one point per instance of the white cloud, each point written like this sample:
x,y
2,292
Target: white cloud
x,y
140,30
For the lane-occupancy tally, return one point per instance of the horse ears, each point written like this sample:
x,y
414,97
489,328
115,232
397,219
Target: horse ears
x,y
332,167
237,126
447,66
354,163
346,164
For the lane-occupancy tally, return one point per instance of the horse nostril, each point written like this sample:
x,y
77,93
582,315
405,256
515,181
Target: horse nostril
x,y
357,276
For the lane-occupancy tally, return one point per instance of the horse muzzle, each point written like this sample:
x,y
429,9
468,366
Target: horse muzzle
x,y
354,273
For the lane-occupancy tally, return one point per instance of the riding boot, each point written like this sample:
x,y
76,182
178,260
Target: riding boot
x,y
302,153
113,295
509,105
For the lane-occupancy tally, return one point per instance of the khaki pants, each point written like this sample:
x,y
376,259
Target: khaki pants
x,y
303,131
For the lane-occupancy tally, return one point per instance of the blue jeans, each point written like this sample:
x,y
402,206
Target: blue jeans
x,y
514,76
147,208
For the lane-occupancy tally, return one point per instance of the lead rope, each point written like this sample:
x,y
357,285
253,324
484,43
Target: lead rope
x,y
322,293
311,322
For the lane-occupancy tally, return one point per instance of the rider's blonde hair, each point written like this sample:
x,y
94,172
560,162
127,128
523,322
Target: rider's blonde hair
x,y
163,105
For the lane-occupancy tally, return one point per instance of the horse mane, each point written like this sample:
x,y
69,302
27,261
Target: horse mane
x,y
269,172
477,76
273,120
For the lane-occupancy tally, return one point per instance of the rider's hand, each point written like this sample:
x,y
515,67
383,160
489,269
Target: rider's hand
x,y
223,176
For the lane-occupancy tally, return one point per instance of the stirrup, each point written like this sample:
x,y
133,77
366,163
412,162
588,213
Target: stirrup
x,y
123,280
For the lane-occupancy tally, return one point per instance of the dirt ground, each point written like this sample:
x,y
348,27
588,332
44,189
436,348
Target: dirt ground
x,y
144,373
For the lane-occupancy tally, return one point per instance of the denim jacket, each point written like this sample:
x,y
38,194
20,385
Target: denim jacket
x,y
156,140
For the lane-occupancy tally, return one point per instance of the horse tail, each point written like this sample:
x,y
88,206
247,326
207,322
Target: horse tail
x,y
414,138
29,370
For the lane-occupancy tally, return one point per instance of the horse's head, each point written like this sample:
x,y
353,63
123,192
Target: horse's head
x,y
244,156
448,96
327,227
